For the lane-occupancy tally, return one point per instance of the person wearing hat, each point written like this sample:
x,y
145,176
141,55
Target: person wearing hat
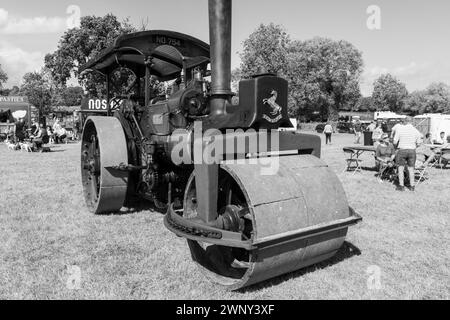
x,y
357,130
425,155
376,135
407,139
385,153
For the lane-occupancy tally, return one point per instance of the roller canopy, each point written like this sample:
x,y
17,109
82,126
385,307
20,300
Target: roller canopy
x,y
167,48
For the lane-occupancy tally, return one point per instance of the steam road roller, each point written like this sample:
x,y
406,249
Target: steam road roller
x,y
254,201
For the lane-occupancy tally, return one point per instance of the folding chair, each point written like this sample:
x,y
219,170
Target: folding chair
x,y
421,171
444,158
420,174
353,163
386,171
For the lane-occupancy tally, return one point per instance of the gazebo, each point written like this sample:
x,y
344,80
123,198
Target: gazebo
x,y
19,107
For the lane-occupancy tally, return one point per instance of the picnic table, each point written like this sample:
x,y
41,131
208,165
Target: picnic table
x,y
444,146
359,150
355,152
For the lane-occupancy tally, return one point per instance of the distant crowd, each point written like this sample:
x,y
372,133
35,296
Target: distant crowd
x,y
38,134
402,147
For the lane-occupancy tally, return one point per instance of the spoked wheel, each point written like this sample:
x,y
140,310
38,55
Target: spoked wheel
x,y
103,148
222,264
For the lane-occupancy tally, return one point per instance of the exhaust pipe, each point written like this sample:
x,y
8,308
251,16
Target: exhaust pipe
x,y
220,44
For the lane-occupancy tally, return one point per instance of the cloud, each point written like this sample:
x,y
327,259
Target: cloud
x,y
35,25
16,62
416,76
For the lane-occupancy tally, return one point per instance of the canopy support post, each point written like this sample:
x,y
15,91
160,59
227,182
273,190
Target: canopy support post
x,y
108,96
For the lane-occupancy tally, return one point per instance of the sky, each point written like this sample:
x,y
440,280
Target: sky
x,y
412,41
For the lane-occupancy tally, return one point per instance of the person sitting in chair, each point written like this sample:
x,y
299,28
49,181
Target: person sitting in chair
x,y
385,153
426,155
441,139
41,138
61,135
428,139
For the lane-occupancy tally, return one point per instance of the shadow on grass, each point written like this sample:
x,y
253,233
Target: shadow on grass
x,y
55,151
374,169
134,206
347,251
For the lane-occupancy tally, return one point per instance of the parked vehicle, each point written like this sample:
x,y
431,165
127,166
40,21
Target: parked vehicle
x,y
344,127
320,127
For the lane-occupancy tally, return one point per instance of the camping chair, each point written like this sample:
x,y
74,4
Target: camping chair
x,y
386,172
444,158
353,163
421,172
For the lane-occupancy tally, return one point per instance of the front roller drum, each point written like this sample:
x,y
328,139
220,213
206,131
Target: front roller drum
x,y
294,218
103,148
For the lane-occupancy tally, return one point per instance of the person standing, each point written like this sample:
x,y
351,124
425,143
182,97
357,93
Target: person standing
x,y
20,130
357,129
395,127
56,130
76,129
328,130
372,126
377,134
384,126
407,139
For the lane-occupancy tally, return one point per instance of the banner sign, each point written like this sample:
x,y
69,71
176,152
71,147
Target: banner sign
x,y
13,99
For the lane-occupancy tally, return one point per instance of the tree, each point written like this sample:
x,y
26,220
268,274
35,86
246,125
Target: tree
x,y
437,98
434,99
67,96
78,45
416,102
389,93
324,75
3,77
38,90
265,50
236,76
15,90
365,104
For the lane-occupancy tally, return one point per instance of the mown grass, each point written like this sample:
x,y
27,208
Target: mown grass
x,y
45,227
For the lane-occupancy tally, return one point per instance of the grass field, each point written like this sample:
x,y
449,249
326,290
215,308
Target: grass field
x,y
45,229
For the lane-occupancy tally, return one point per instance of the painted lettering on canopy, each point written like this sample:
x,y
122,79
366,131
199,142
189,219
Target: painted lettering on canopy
x,y
174,42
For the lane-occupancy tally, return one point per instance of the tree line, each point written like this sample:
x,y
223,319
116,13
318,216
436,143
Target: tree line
x,y
48,87
324,77
323,74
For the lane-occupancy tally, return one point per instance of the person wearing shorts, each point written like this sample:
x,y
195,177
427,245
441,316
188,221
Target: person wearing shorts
x,y
407,138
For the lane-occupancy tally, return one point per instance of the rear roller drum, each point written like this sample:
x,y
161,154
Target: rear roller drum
x,y
103,148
